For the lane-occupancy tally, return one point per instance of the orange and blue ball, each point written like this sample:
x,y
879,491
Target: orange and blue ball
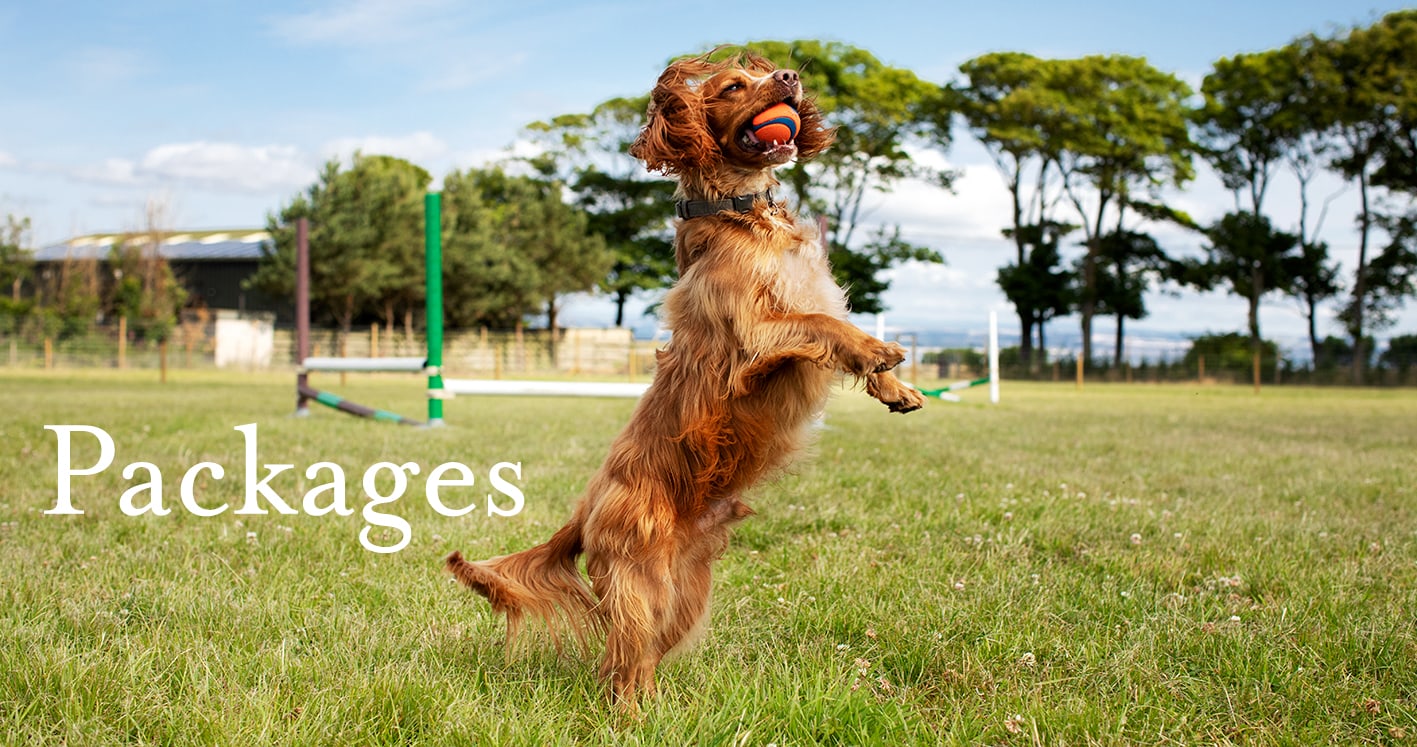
x,y
776,124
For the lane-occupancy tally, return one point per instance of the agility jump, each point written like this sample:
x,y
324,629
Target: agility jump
x,y
431,365
947,393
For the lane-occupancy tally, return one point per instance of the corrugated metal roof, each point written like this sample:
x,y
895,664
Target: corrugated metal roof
x,y
190,246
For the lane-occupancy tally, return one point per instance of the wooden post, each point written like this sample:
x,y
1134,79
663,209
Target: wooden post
x,y
521,348
1057,372
1256,366
162,360
122,342
374,340
1079,384
302,313
343,353
48,353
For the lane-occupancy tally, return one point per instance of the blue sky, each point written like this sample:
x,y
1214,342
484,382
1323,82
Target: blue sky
x,y
222,111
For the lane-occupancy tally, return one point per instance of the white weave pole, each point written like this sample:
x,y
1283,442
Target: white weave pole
x,y
544,388
404,365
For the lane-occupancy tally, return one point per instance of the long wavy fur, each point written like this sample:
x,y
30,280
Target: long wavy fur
x,y
759,336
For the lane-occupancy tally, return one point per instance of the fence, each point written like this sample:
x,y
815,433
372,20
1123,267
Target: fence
x,y
1211,371
612,353
602,353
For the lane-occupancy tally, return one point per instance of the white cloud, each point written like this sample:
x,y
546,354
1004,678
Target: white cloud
x,y
110,171
228,166
222,167
7,160
977,209
419,147
361,23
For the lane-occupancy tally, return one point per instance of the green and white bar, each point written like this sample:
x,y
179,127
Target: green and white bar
x,y
947,392
545,388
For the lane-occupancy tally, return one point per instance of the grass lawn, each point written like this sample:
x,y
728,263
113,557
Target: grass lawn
x,y
1123,565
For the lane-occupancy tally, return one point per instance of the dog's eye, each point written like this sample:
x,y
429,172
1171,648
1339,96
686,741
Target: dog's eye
x,y
731,87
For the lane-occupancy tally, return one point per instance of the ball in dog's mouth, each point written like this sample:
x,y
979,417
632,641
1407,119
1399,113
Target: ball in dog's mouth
x,y
773,129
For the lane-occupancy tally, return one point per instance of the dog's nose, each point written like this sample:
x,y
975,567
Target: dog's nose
x,y
787,76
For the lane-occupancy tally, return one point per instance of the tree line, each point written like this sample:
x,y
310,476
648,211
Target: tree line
x,y
1093,152
1088,145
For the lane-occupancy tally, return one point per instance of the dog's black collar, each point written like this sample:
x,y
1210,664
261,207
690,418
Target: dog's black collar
x,y
687,209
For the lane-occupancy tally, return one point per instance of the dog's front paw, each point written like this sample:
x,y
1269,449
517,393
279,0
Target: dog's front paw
x,y
910,400
889,356
875,357
893,393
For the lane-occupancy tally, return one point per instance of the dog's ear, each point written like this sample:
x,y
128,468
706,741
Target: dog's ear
x,y
676,137
815,135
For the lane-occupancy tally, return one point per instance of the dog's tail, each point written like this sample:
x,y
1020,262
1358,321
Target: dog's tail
x,y
543,582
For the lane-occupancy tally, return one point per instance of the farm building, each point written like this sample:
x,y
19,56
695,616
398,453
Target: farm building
x,y
212,265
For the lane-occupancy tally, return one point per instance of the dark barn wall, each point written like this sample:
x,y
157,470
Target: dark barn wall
x,y
217,284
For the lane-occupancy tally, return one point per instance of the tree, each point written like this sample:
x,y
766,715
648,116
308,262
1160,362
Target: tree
x,y
1313,279
492,283
1249,255
145,292
516,246
1231,351
1128,264
1336,353
1007,103
878,111
16,267
625,206
15,261
1401,354
1039,288
1389,277
1248,121
1123,136
366,241
1364,85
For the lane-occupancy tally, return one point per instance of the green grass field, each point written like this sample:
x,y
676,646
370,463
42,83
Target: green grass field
x,y
1124,565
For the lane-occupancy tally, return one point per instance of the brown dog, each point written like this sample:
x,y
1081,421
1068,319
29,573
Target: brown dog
x,y
759,333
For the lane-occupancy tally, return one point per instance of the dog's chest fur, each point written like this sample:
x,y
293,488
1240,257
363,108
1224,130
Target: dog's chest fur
x,y
798,274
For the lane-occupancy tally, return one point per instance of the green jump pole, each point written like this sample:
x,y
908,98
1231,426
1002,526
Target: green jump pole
x,y
433,276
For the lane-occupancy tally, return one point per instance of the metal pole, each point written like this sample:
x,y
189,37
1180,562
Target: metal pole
x,y
302,314
433,276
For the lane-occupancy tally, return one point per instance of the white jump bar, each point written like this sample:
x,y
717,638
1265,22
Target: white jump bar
x,y
410,365
545,388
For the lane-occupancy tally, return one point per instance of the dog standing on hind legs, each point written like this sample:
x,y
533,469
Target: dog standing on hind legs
x,y
759,335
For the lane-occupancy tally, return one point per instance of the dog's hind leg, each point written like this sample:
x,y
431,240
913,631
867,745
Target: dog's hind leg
x,y
633,595
687,619
692,587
